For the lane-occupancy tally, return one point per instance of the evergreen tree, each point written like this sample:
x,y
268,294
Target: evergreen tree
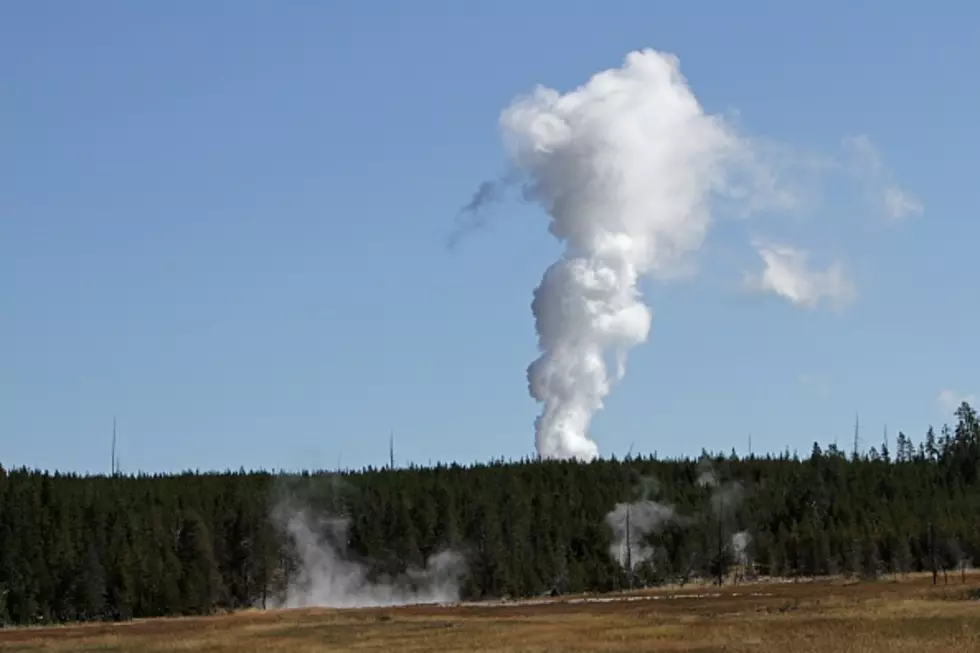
x,y
197,584
88,547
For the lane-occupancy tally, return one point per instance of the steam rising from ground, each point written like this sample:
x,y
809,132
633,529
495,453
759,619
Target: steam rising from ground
x,y
630,548
740,547
725,497
328,577
631,524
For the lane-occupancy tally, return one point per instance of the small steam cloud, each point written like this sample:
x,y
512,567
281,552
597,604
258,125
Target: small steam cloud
x,y
327,577
788,274
707,478
648,486
740,547
726,497
631,524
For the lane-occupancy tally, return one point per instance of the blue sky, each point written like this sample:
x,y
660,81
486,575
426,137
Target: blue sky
x,y
224,224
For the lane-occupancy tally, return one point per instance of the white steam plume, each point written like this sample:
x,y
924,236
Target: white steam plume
x,y
328,578
630,542
632,523
740,547
625,166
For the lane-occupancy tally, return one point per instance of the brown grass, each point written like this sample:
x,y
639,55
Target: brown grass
x,y
824,617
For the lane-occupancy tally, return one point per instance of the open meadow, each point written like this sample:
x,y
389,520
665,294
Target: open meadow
x,y
827,617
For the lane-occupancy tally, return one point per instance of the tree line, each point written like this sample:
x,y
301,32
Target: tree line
x,y
124,546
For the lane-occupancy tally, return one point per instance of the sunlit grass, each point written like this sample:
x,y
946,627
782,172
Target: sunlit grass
x,y
821,617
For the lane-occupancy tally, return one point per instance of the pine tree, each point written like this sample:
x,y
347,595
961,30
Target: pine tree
x,y
90,588
195,554
77,547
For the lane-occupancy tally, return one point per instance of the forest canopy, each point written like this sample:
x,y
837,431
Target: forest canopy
x,y
123,546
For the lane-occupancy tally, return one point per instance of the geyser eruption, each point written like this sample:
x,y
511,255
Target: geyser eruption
x,y
625,166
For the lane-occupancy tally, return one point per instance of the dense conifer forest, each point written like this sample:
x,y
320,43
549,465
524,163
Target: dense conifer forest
x,y
117,547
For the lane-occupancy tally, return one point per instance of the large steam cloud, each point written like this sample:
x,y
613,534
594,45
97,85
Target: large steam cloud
x,y
629,168
625,166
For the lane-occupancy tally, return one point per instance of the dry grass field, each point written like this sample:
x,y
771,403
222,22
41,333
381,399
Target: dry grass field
x,y
826,617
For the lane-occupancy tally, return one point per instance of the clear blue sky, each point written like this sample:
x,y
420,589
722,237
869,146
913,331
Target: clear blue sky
x,y
224,223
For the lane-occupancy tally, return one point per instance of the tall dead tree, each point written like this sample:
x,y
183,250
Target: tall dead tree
x,y
113,462
721,540
629,508
857,436
932,530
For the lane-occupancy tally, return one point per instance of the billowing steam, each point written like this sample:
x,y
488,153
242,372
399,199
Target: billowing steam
x,y
625,166
327,577
631,524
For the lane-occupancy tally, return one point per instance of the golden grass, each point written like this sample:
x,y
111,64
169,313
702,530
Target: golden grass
x,y
819,617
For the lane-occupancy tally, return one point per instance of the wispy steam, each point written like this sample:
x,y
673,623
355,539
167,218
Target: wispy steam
x,y
327,577
706,478
867,165
961,560
948,400
725,497
473,216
